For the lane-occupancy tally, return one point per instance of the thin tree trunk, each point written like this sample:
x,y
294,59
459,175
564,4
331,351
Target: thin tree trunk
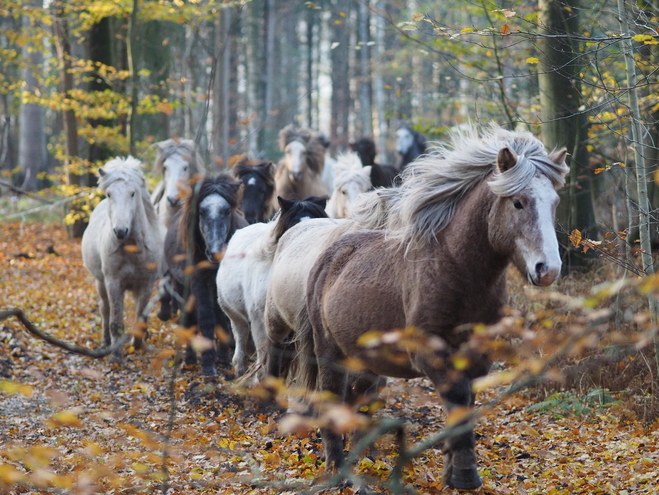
x,y
378,83
222,87
32,135
310,76
130,51
366,112
341,101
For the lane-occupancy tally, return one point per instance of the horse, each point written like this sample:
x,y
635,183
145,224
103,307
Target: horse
x,y
462,215
299,172
259,188
351,180
122,246
410,144
195,240
381,175
177,160
244,275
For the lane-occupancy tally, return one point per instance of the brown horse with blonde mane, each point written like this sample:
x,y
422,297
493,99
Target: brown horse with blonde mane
x,y
461,216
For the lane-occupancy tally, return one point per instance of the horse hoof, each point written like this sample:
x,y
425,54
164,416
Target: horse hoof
x,y
115,359
208,370
164,314
465,479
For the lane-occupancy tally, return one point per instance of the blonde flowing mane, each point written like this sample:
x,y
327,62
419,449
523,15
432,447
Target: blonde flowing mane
x,y
347,169
433,186
128,169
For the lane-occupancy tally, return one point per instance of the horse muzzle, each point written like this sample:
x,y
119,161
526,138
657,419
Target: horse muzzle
x,y
544,274
295,176
121,234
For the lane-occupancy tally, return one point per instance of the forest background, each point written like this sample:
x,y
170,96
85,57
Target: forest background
x,y
82,81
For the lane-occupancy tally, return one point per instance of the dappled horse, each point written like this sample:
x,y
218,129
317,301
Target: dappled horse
x,y
244,275
177,160
194,244
350,181
459,219
122,246
299,172
410,144
381,175
258,179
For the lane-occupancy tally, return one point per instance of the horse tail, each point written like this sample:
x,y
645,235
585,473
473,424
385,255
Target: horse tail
x,y
306,364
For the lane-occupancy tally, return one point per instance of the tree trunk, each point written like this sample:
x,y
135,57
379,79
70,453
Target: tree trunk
x,y
378,84
564,124
32,158
131,42
222,87
341,100
365,97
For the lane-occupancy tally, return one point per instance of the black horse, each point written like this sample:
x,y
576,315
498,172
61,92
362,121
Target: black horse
x,y
194,245
381,175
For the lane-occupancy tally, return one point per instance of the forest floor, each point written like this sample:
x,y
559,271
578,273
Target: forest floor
x,y
70,424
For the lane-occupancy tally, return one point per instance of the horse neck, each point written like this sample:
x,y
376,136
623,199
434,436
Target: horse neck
x,y
141,223
466,237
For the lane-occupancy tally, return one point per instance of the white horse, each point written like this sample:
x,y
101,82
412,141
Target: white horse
x,y
350,181
244,274
122,246
177,160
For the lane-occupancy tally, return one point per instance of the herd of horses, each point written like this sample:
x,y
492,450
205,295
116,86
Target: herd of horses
x,y
262,255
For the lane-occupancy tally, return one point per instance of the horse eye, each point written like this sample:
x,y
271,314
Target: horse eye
x,y
344,192
109,195
518,204
185,169
132,195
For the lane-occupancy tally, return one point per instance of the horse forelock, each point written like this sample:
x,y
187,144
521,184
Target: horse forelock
x,y
128,169
434,184
291,133
224,185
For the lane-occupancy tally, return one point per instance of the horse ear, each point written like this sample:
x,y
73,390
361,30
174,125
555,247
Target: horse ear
x,y
269,168
558,157
101,172
284,203
506,159
319,200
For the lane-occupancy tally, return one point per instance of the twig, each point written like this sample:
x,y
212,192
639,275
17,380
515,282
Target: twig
x,y
19,190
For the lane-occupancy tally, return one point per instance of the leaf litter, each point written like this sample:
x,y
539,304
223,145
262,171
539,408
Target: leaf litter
x,y
75,425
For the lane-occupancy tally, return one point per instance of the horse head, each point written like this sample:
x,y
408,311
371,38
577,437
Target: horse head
x,y
521,222
404,140
295,160
259,186
211,208
176,159
123,184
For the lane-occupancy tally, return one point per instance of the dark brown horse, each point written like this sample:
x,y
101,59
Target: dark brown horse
x,y
194,245
460,217
258,178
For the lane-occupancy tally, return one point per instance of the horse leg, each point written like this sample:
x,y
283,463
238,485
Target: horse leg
x,y
226,345
105,313
166,300
116,298
460,467
202,289
260,342
240,331
142,298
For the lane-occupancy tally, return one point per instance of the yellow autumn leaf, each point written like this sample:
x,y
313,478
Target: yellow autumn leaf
x,y
68,417
9,475
457,415
14,388
532,60
505,29
467,30
417,17
493,380
575,237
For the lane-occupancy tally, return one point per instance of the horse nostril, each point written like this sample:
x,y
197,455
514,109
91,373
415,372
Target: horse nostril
x,y
540,269
173,201
120,233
